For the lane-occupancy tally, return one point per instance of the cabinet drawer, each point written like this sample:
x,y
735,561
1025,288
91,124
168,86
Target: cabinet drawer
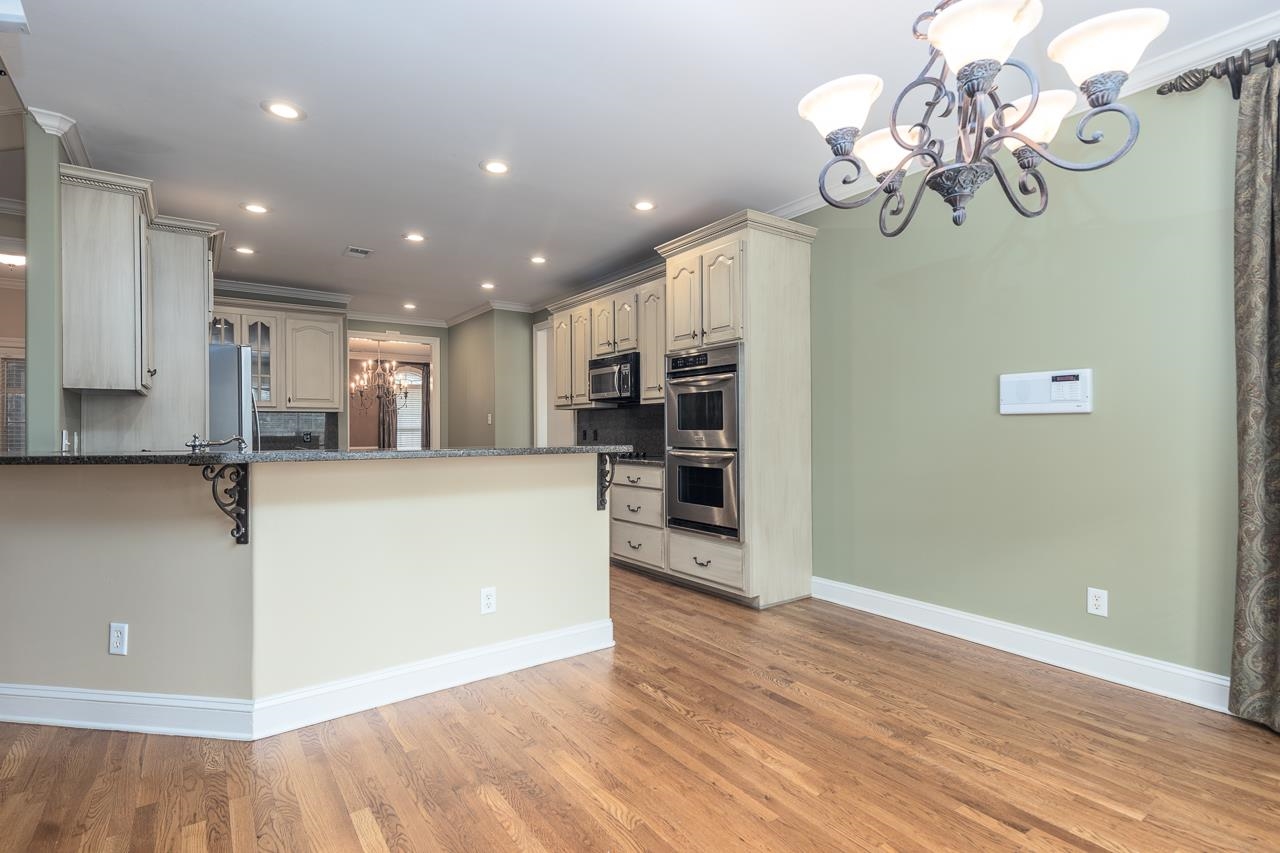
x,y
642,506
638,544
640,476
705,558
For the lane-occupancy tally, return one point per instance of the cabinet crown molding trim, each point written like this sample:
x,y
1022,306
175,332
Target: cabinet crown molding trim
x,y
743,219
112,182
185,226
651,272
64,127
13,207
231,289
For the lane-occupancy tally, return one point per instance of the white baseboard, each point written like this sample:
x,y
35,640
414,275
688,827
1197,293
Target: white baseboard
x,y
117,710
246,719
1194,686
298,708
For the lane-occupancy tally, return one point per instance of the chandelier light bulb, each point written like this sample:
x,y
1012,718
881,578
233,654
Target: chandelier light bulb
x,y
1107,43
1042,126
976,30
842,103
880,152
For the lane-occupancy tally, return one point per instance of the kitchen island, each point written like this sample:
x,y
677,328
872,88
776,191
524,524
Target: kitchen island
x,y
272,590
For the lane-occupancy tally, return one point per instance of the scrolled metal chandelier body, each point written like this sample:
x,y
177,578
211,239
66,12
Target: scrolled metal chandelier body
x,y
376,384
1099,55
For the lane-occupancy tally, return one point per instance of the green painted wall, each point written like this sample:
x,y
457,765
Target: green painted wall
x,y
471,382
45,398
513,380
441,363
921,489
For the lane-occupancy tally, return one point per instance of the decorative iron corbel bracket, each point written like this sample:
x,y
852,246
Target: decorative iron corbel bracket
x,y
230,485
606,467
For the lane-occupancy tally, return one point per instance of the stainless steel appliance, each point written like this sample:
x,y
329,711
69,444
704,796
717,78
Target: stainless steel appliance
x,y
231,408
702,398
702,441
615,379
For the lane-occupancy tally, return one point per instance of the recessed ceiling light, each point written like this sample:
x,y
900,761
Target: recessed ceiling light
x,y
537,259
284,110
254,207
409,306
487,285
643,206
414,237
244,250
495,167
13,260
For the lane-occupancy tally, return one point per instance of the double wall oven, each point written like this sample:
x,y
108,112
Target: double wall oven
x,y
703,440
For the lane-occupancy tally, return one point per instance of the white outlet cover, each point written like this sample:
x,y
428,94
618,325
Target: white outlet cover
x,y
118,639
1096,602
488,599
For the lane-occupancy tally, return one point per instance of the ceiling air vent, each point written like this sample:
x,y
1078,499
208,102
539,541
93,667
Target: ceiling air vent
x,y
356,252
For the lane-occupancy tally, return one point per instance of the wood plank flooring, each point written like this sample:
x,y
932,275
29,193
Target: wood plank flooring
x,y
708,728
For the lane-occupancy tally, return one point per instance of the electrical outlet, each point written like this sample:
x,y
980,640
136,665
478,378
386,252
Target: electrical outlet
x,y
489,599
1096,603
491,419
118,639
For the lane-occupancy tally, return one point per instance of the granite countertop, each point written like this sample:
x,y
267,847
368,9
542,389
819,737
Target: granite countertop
x,y
234,458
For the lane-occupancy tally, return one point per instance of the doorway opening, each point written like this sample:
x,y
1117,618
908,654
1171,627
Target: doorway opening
x,y
406,414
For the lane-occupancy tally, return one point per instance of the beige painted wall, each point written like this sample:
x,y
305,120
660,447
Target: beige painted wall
x,y
13,312
921,489
332,601
84,546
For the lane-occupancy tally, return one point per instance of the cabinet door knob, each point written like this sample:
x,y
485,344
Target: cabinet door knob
x,y
700,563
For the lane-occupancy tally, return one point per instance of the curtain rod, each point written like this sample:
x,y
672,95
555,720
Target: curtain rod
x,y
1234,68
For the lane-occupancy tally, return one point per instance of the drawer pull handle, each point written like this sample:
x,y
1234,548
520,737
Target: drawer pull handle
x,y
631,508
634,546
701,564
633,480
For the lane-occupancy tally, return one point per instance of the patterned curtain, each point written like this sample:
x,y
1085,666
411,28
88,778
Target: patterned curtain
x,y
1255,664
387,425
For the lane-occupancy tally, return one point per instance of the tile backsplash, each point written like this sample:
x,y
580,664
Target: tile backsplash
x,y
642,426
298,430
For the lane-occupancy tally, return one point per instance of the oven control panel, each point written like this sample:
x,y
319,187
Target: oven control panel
x,y
684,362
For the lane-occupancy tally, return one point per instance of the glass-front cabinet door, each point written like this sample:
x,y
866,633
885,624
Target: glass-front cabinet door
x,y
223,328
261,335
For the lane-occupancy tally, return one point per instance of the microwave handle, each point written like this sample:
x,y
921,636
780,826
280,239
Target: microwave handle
x,y
714,379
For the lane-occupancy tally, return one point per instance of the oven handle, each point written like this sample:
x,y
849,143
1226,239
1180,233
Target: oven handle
x,y
714,379
703,454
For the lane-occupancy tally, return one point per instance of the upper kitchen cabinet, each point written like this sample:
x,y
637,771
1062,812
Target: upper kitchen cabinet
x,y
313,359
684,302
261,334
580,355
562,350
704,295
626,335
108,331
651,317
602,327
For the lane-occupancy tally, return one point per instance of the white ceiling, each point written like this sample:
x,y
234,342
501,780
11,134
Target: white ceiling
x,y
690,104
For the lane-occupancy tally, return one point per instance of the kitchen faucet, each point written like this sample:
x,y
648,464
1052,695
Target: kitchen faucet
x,y
198,444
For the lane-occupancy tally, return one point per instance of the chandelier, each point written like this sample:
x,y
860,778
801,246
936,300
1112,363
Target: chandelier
x,y
971,41
376,383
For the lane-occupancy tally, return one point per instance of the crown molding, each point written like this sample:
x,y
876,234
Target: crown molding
x,y
486,307
184,226
736,222
648,273
13,207
249,289
65,128
519,307
111,182
1149,74
398,321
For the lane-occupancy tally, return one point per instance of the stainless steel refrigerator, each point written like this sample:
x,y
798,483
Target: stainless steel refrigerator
x,y
231,407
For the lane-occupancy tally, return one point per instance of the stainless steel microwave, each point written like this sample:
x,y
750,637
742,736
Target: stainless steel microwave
x,y
615,379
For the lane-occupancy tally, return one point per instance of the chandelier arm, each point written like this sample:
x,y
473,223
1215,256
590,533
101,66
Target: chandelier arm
x,y
1082,135
997,118
940,95
895,205
1031,183
889,178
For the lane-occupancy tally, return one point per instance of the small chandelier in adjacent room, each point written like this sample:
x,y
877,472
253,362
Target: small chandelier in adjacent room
x,y
970,42
376,383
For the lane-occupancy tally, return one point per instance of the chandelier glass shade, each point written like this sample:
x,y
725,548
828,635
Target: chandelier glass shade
x,y
970,42
376,384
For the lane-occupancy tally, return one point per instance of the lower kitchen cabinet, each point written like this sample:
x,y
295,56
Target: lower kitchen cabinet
x,y
718,561
636,543
640,506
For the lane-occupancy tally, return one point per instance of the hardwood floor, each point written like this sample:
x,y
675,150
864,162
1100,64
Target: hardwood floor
x,y
709,727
